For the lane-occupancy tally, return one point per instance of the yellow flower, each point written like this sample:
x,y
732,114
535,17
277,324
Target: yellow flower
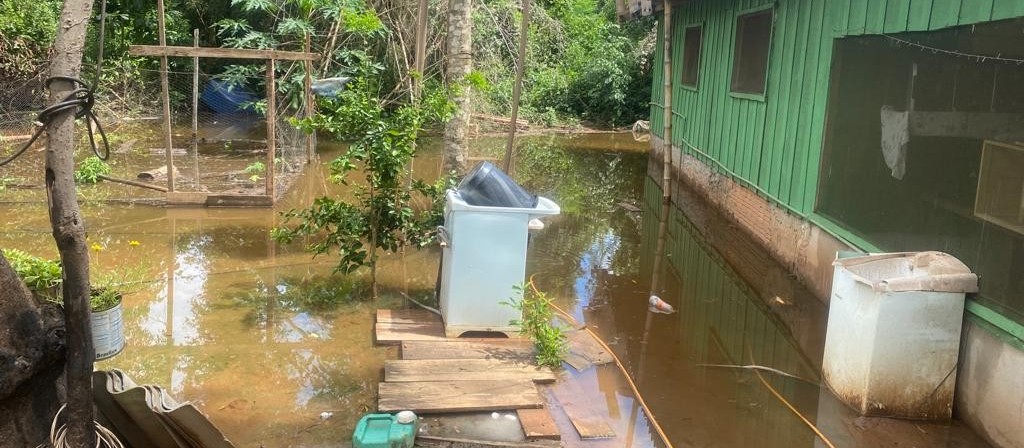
x,y
133,243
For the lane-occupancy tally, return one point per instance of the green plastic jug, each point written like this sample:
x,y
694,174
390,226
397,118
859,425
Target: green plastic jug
x,y
386,431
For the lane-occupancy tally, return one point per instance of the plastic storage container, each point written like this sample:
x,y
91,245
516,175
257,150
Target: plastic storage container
x,y
893,335
484,256
386,431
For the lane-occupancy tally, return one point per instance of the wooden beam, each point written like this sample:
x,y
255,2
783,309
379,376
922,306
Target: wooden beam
x,y
271,129
458,396
520,349
165,93
221,53
195,112
403,370
307,85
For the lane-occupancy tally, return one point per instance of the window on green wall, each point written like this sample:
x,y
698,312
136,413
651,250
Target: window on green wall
x,y
750,56
691,55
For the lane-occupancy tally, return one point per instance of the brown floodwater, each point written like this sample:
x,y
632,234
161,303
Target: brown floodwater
x,y
268,342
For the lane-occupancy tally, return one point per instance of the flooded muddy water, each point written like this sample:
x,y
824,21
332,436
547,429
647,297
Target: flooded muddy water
x,y
278,351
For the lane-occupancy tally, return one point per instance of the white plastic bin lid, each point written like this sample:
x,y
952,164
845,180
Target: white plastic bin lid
x,y
910,271
544,206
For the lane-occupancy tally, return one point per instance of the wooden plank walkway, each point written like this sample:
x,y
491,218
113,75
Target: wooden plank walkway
x,y
395,326
447,375
455,349
405,370
458,396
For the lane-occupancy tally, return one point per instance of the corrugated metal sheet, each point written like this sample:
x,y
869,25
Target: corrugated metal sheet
x,y
774,143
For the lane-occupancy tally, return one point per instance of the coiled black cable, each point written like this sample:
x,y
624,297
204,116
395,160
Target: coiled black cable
x,y
82,98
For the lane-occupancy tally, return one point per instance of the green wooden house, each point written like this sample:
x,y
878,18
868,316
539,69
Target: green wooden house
x,y
877,125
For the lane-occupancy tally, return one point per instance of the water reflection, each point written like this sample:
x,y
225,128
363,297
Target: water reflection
x,y
730,314
264,338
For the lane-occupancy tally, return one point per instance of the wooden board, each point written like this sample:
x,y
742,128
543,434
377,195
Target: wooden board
x,y
238,200
458,396
419,370
453,349
585,351
392,334
538,424
408,317
584,415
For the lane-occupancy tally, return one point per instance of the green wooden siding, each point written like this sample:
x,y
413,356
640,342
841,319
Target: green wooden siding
x,y
774,145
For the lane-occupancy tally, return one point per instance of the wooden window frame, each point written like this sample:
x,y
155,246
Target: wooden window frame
x,y
700,53
737,50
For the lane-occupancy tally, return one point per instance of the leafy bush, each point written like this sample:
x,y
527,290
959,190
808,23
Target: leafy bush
x,y
382,144
26,31
90,170
42,276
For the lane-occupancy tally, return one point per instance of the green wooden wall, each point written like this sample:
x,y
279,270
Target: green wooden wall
x,y
773,144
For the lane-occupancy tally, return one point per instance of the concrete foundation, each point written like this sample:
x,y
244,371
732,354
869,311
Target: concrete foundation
x,y
990,386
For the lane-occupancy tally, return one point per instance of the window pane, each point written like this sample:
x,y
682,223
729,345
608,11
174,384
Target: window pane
x,y
691,55
924,150
753,41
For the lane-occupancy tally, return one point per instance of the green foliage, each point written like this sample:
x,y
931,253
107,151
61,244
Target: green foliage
x,y
26,31
102,299
581,64
42,276
537,323
382,146
90,170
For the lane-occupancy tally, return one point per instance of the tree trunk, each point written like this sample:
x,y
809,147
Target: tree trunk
x,y
68,225
460,62
31,348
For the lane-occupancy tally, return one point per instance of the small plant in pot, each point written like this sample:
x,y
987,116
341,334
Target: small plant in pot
x,y
108,288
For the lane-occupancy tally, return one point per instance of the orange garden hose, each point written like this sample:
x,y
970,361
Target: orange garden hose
x,y
629,380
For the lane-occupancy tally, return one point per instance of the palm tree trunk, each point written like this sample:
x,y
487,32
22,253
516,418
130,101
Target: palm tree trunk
x,y
460,62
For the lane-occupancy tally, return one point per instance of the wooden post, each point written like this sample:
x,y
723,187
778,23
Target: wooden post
x,y
308,81
195,112
271,129
166,93
666,146
420,59
69,224
517,89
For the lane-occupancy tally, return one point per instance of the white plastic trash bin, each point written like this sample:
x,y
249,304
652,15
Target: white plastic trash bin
x,y
893,335
484,259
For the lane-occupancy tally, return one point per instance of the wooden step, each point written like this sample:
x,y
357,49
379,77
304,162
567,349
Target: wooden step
x,y
453,349
458,396
404,370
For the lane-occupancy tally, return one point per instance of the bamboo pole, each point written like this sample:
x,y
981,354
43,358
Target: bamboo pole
x,y
666,147
271,129
68,224
165,91
308,94
517,89
195,112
